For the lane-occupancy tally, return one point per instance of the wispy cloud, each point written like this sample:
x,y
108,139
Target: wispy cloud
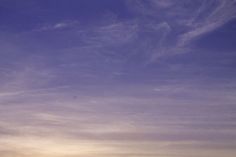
x,y
190,19
107,86
57,26
157,124
218,14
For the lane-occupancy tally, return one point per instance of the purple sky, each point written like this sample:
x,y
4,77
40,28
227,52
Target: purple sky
x,y
117,78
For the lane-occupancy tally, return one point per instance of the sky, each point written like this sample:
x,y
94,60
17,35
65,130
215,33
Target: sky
x,y
117,78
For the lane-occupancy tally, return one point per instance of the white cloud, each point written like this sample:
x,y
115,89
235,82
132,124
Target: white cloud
x,y
57,26
188,20
220,15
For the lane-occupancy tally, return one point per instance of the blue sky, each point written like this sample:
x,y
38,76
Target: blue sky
x,y
117,78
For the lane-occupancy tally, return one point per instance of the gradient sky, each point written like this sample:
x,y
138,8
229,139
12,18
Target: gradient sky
x,y
117,78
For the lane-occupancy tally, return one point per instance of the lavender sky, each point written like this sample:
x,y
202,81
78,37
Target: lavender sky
x,y
117,78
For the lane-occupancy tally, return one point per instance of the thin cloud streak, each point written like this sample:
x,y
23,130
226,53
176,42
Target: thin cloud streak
x,y
49,124
120,78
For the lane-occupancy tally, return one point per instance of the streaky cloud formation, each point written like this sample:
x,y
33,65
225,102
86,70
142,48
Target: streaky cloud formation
x,y
188,20
139,78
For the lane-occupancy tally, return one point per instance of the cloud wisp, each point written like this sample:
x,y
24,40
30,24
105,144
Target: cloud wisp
x,y
156,125
117,78
188,20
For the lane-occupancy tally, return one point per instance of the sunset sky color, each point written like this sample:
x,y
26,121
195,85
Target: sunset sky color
x,y
117,78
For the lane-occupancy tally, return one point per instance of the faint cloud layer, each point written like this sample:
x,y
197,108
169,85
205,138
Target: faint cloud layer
x,y
162,28
188,20
181,119
115,85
